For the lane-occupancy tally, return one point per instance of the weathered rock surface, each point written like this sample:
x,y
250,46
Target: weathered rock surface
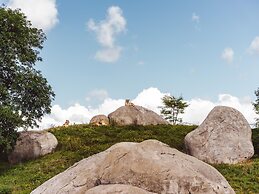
x,y
31,145
135,115
99,120
117,189
150,165
223,137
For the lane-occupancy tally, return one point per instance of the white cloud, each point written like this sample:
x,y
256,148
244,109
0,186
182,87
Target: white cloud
x,y
150,98
108,55
106,31
228,55
195,18
42,13
109,105
198,108
75,114
254,46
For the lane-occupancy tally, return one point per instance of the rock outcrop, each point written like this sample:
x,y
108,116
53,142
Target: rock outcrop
x,y
150,166
117,189
223,137
135,115
99,120
31,145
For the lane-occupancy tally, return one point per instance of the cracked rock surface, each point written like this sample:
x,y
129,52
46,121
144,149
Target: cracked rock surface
x,y
223,137
116,189
149,166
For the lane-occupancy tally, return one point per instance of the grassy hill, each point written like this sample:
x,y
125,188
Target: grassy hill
x,y
80,141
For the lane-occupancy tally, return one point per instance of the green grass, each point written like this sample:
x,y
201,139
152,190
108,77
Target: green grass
x,y
244,178
80,141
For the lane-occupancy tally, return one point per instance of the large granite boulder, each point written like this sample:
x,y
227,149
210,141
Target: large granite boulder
x,y
151,166
223,137
117,189
99,120
135,115
31,145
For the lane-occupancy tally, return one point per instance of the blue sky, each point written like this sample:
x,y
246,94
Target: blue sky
x,y
174,46
162,47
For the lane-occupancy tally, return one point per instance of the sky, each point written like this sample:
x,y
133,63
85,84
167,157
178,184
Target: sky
x,y
98,53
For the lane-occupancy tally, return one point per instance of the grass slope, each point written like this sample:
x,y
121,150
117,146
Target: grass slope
x,y
80,141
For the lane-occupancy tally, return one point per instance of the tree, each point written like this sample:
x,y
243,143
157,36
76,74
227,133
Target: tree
x,y
172,108
25,95
256,106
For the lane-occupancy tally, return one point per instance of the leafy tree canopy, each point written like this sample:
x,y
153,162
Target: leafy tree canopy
x,y
25,95
256,106
173,106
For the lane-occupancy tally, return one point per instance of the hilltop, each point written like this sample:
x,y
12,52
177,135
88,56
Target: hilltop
x,y
80,141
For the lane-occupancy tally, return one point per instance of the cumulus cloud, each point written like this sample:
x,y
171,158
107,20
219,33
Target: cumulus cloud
x,y
195,18
106,32
228,55
42,13
78,114
254,46
199,108
150,98
75,114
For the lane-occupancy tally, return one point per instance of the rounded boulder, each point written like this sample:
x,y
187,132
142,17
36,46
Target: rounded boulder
x,y
99,120
150,166
31,145
223,137
135,115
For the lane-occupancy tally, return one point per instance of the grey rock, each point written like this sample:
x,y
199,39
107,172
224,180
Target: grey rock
x,y
223,137
150,165
135,115
116,189
31,145
99,120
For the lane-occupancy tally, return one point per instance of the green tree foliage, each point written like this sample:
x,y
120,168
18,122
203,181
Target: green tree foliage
x,y
25,95
172,108
256,106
